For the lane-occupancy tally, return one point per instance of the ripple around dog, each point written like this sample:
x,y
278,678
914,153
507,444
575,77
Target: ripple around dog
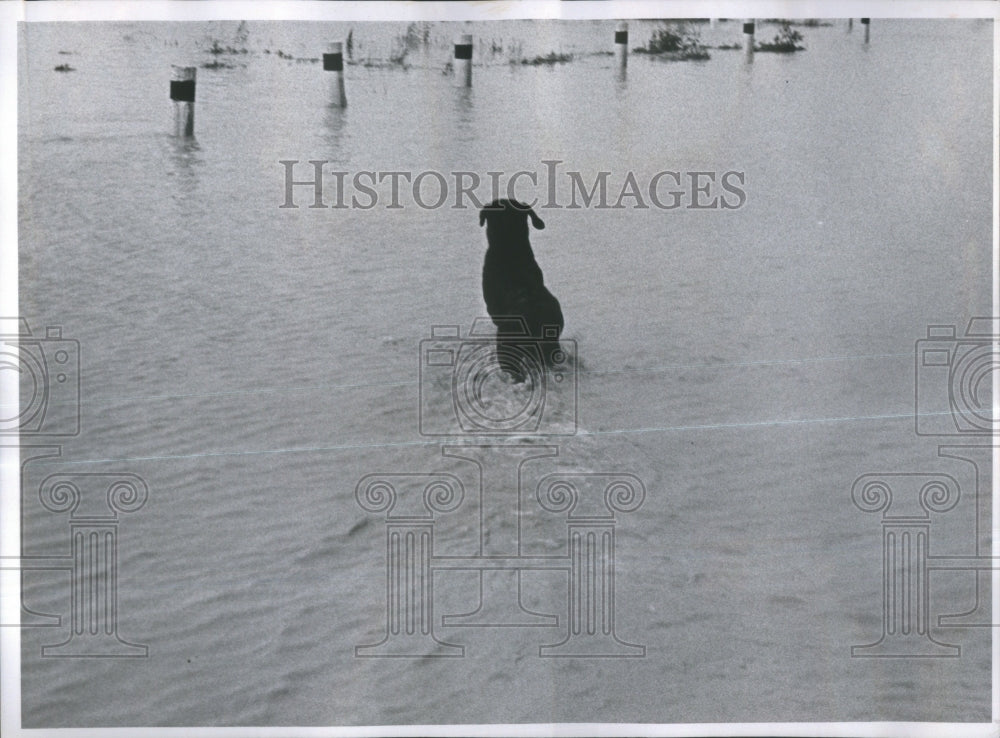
x,y
496,396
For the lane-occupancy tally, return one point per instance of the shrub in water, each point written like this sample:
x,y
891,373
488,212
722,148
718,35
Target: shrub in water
x,y
677,42
786,40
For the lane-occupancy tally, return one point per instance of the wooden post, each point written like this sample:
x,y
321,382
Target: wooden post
x,y
333,61
748,33
621,45
866,22
182,82
463,60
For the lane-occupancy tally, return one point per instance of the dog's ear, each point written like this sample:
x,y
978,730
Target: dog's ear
x,y
482,217
535,220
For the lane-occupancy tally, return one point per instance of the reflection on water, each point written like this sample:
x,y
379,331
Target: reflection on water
x,y
184,161
185,156
465,114
337,134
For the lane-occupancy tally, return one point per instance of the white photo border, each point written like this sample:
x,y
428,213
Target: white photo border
x,y
14,13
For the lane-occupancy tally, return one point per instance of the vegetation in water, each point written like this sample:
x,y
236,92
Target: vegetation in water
x,y
785,41
216,48
805,23
550,58
679,42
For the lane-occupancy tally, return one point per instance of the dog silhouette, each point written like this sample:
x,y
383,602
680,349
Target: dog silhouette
x,y
514,287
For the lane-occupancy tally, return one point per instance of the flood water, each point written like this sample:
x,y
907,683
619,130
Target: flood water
x,y
251,363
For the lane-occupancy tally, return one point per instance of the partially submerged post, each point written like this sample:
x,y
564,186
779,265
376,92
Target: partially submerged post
x,y
182,82
333,61
748,32
866,22
463,60
621,45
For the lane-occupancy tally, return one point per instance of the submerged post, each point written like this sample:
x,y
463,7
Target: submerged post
x,y
182,81
866,22
333,61
463,60
748,32
621,45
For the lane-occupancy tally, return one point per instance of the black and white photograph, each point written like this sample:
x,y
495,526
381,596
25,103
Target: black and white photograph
x,y
543,368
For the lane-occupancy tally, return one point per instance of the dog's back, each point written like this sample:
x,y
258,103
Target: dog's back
x,y
513,284
509,279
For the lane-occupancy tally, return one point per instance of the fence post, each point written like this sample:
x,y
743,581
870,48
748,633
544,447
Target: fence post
x,y
748,34
333,61
621,45
182,84
463,60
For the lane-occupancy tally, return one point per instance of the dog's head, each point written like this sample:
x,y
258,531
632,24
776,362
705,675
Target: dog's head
x,y
508,218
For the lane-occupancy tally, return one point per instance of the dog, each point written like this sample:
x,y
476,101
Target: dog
x,y
514,287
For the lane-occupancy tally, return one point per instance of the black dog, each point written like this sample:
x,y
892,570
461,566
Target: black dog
x,y
513,286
